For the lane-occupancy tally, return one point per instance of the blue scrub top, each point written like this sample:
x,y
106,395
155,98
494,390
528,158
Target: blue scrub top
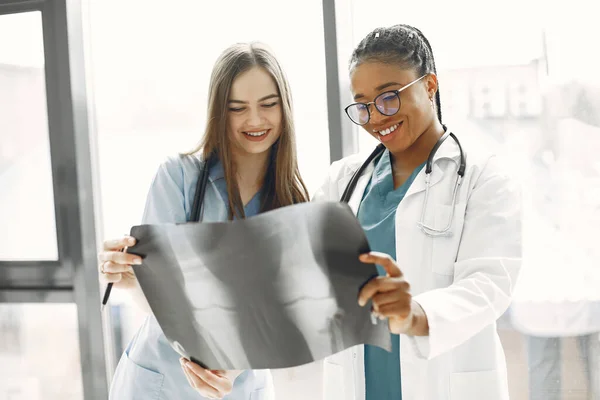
x,y
377,214
149,368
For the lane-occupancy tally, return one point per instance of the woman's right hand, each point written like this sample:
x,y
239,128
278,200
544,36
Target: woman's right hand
x,y
213,384
115,265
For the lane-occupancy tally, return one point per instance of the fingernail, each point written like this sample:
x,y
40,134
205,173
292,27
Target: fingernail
x,y
131,241
373,319
361,302
137,261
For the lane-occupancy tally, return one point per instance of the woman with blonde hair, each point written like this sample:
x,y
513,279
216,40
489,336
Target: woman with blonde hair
x,y
249,147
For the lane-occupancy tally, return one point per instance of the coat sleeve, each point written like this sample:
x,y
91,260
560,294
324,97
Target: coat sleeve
x,y
328,190
487,266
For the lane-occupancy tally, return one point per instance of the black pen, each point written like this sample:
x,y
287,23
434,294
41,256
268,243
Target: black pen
x,y
109,288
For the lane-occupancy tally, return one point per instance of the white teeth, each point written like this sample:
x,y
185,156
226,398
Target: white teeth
x,y
388,130
255,133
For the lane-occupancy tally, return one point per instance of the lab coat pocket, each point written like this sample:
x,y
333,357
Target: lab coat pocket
x,y
445,247
476,385
134,382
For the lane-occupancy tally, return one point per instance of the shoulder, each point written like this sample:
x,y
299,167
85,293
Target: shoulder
x,y
179,167
493,174
485,159
339,173
169,195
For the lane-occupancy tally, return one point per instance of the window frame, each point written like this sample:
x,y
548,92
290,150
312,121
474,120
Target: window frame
x,y
73,155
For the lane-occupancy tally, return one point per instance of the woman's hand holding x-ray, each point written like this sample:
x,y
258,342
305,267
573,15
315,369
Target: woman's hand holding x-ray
x,y
214,384
115,265
391,298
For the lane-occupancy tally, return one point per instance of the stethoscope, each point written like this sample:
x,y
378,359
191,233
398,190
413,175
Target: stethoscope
x,y
428,230
197,205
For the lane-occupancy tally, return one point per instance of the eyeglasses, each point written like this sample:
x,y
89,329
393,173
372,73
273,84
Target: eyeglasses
x,y
387,103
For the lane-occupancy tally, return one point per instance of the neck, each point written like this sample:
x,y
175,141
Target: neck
x,y
251,170
406,161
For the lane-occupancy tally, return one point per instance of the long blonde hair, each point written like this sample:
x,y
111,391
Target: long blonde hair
x,y
283,184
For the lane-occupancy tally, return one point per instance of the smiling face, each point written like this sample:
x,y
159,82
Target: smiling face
x,y
416,115
254,115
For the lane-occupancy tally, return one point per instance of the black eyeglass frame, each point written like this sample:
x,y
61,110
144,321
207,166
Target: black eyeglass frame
x,y
374,102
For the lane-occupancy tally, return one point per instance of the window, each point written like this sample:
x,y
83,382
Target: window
x,y
525,99
10,326
488,102
36,366
26,198
486,108
522,108
36,138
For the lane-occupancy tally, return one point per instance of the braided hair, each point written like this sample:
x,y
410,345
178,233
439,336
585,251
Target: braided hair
x,y
400,44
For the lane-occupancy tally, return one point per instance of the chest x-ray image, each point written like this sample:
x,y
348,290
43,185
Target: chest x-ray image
x,y
276,290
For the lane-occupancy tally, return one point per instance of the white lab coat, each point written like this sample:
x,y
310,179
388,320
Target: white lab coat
x,y
463,282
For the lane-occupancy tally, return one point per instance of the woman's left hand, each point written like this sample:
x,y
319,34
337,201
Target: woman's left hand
x,y
391,298
214,384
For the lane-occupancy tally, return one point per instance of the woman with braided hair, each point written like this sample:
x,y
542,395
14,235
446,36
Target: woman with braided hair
x,y
445,233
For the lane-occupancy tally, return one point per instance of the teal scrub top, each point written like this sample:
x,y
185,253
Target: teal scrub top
x,y
377,214
149,368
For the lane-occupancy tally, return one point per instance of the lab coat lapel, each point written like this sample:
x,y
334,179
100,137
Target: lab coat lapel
x,y
448,150
359,190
